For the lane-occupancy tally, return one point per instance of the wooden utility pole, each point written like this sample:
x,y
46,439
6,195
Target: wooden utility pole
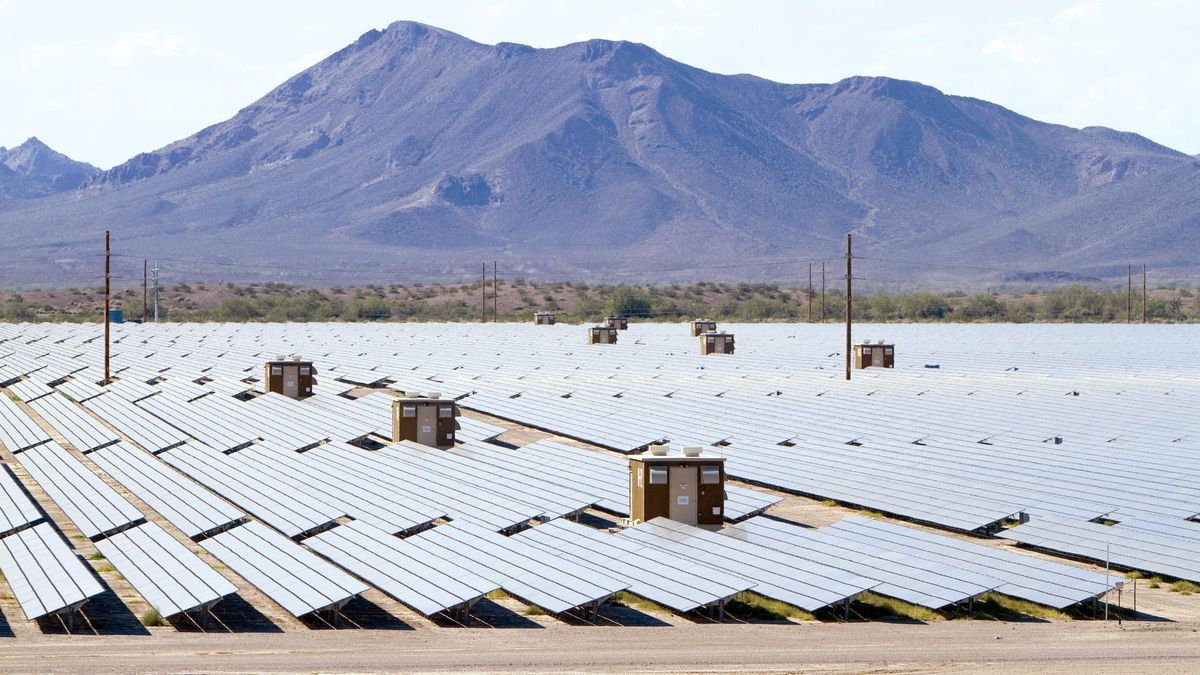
x,y
1129,294
810,297
145,288
495,294
849,306
822,291
107,288
1144,296
483,292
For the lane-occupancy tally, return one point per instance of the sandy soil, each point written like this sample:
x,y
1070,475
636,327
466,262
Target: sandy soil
x,y
959,646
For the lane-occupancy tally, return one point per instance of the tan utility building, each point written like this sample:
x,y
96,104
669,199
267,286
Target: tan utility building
x,y
544,318
716,343
617,322
701,326
879,355
602,335
686,485
428,420
293,379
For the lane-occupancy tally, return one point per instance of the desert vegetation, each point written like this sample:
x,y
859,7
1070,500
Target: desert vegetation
x,y
517,299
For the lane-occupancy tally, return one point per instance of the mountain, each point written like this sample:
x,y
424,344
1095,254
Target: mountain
x,y
415,152
32,169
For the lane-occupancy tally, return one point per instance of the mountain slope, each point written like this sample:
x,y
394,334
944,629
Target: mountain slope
x,y
32,169
416,151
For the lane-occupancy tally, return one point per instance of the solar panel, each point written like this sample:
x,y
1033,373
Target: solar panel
x,y
1053,422
91,504
18,431
141,427
45,576
166,573
80,429
385,507
284,571
679,583
776,574
287,511
29,390
446,494
555,584
928,583
184,504
427,583
17,510
1123,544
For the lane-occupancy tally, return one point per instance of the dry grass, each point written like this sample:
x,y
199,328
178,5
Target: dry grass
x,y
1006,607
631,600
1184,587
152,617
533,610
753,606
874,606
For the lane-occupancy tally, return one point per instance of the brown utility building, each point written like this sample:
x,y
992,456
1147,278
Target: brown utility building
x,y
716,343
686,485
602,335
544,318
293,379
701,326
867,355
617,322
428,420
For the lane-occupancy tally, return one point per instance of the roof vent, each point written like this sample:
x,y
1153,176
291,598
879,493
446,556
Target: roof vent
x,y
435,394
659,449
691,451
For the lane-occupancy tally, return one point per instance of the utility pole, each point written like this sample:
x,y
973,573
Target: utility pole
x,y
1129,295
145,287
1144,312
483,293
154,270
810,292
849,294
495,294
822,291
106,309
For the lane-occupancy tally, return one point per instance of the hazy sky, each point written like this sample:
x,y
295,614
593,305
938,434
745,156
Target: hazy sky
x,y
102,81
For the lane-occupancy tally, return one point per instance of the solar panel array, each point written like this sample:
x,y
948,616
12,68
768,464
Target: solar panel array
x,y
1053,432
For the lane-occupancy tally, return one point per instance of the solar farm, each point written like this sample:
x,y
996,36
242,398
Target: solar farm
x,y
1012,460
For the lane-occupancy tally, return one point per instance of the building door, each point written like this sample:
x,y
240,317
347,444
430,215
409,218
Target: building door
x,y
291,384
427,425
684,494
877,357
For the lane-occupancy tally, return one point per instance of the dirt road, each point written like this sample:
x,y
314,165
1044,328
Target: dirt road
x,y
954,646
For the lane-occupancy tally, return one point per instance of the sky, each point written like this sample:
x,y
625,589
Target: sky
x,y
103,81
